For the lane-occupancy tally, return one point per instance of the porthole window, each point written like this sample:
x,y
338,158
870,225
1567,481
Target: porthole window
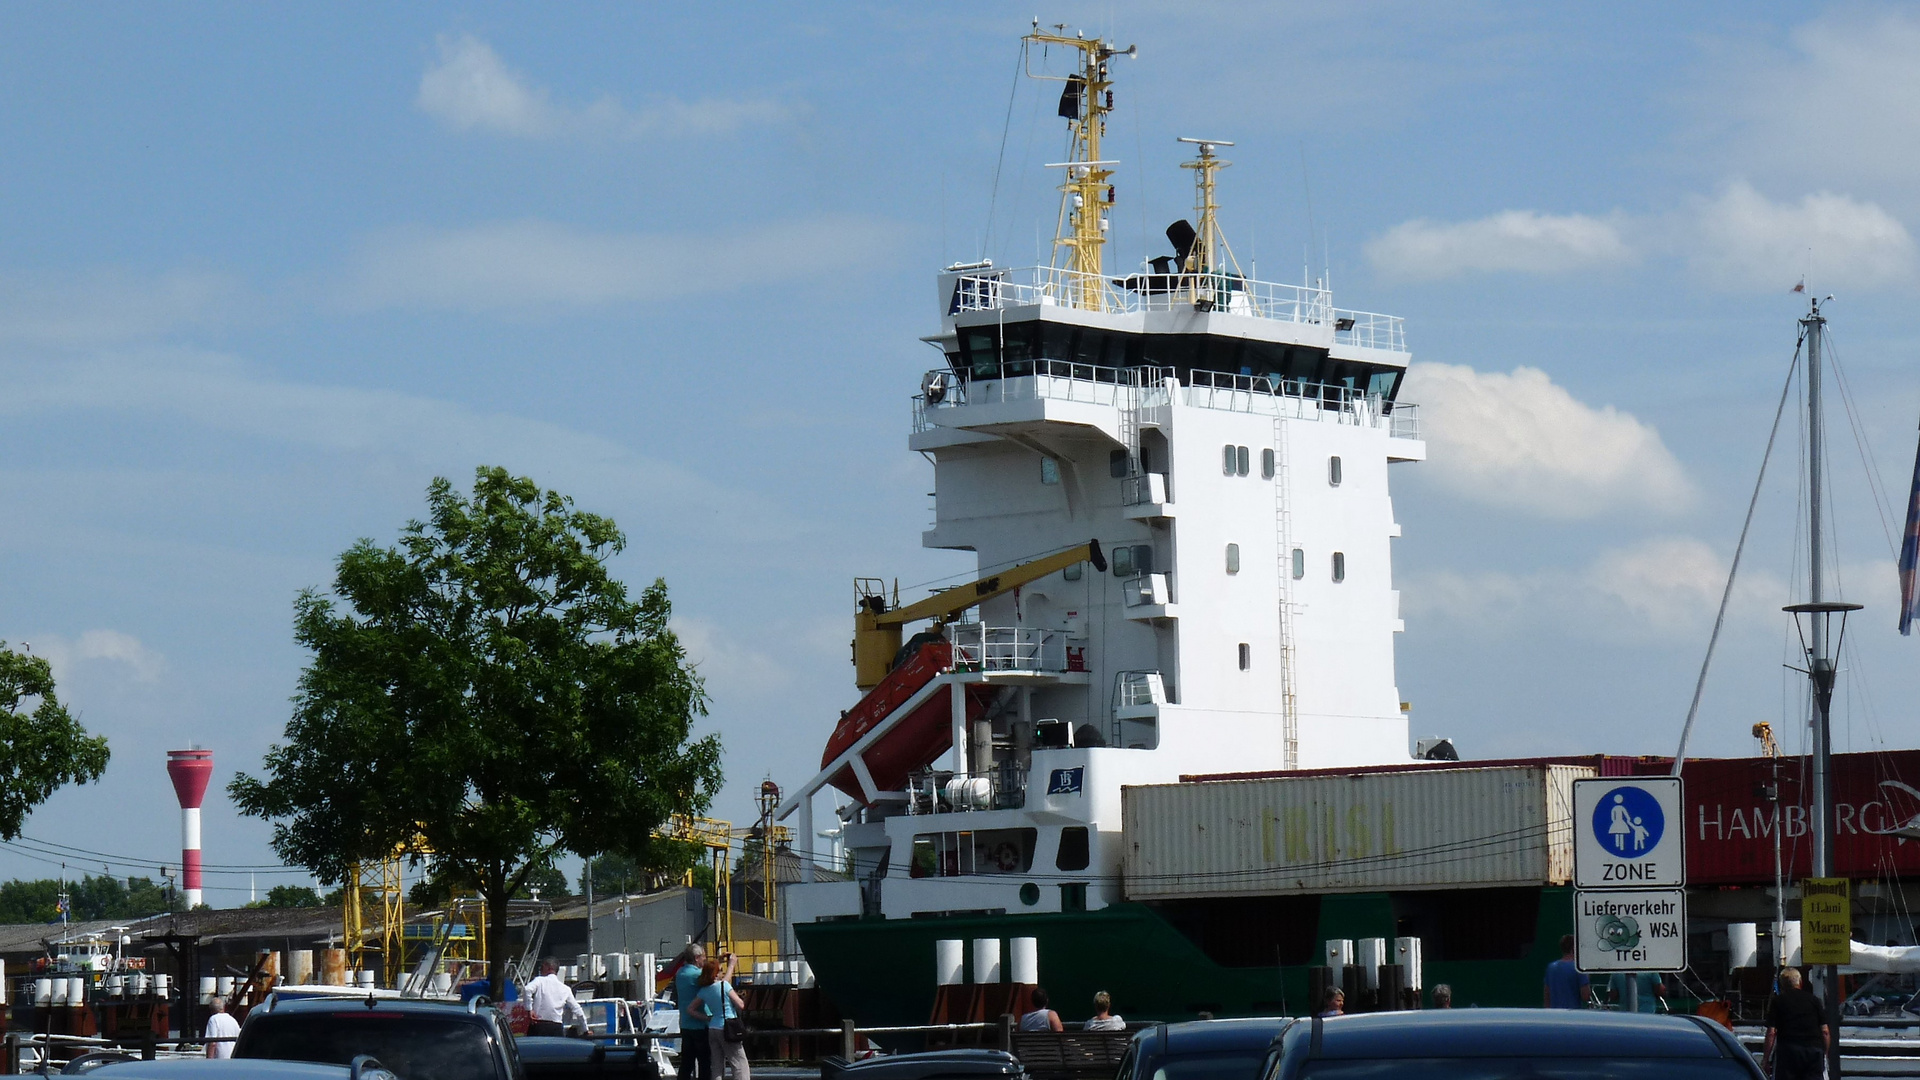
x,y
1049,471
1266,464
1241,460
1233,558
1299,564
1246,656
1228,459
1333,470
1339,566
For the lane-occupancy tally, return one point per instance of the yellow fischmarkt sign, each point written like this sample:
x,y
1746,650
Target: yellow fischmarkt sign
x,y
1826,921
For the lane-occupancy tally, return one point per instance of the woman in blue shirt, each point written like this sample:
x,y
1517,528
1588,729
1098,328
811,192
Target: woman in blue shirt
x,y
716,1002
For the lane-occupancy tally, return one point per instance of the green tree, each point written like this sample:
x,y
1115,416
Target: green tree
x,y
291,896
90,897
661,862
486,687
41,749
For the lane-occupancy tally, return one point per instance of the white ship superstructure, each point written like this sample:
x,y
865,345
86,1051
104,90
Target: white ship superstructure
x,y
1225,443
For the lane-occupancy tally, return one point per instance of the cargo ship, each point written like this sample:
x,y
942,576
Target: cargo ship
x,y
1155,746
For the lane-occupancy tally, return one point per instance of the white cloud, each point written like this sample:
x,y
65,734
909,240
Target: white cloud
x,y
730,667
1522,241
539,263
1747,240
1520,441
107,306
98,646
469,87
1837,103
1662,588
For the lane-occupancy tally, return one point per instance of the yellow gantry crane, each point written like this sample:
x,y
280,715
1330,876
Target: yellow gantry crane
x,y
876,625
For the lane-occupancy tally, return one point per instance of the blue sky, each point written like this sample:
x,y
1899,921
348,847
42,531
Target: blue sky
x,y
264,272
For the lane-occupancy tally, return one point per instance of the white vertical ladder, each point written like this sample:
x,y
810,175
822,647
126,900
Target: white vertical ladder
x,y
1283,539
1130,396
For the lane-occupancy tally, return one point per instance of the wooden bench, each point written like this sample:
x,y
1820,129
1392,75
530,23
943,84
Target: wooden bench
x,y
1070,1055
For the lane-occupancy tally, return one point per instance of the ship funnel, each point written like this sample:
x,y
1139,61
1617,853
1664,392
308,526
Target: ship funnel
x,y
190,770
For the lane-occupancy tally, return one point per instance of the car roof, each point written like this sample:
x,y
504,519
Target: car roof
x,y
1208,1036
199,1068
1511,1033
331,1004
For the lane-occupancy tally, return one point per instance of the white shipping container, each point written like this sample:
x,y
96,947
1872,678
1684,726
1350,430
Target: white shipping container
x,y
1422,828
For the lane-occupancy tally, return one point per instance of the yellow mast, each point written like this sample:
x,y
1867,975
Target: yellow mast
x,y
1211,258
1087,192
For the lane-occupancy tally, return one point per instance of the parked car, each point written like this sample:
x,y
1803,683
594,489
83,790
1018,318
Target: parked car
x,y
553,1057
416,1040
363,1068
1201,1050
1493,1044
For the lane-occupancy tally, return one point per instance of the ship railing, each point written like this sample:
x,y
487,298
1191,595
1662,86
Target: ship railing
x,y
1146,489
1405,421
1370,330
1234,294
979,647
1140,688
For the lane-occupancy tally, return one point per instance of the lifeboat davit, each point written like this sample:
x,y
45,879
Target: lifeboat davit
x,y
917,738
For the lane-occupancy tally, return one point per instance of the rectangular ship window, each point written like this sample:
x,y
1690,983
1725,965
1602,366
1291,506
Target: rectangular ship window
x,y
1246,656
1049,471
1233,558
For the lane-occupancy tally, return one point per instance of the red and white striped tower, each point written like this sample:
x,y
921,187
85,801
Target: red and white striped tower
x,y
190,771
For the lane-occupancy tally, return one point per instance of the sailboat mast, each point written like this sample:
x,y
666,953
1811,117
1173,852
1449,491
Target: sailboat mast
x,y
1820,665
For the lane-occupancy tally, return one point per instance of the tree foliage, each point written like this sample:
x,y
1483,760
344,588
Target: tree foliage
x,y
30,901
42,747
292,896
661,862
488,692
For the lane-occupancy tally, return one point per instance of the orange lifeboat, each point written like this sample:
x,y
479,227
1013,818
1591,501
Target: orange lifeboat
x,y
917,739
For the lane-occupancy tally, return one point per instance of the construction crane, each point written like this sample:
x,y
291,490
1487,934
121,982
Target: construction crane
x,y
772,837
876,623
716,837
374,916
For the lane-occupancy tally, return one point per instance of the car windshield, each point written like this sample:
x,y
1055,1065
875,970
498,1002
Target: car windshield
x,y
1496,1068
1232,1065
414,1047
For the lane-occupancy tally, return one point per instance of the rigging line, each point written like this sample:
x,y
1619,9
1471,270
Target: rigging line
x,y
993,200
1871,465
1733,571
134,861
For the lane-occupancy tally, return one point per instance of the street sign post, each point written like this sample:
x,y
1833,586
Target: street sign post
x,y
1629,873
1629,832
1631,930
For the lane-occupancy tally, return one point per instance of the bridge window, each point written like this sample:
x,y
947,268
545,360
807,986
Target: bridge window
x,y
1075,852
1233,558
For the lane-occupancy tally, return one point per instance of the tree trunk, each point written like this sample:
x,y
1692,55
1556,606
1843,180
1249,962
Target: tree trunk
x,y
496,896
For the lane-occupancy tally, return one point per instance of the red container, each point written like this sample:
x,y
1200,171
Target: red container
x,y
1730,823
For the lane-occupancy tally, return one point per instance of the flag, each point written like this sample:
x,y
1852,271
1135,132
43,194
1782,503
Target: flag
x,y
1802,287
1909,553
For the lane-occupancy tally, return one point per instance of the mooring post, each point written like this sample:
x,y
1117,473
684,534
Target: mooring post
x,y
849,1040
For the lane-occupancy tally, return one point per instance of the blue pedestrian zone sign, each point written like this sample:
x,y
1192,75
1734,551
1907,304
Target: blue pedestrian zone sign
x,y
1628,822
1066,781
1628,833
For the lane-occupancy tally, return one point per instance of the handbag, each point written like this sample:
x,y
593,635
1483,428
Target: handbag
x,y
734,1030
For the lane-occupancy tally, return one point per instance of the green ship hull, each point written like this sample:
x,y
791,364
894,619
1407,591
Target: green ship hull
x,y
1229,958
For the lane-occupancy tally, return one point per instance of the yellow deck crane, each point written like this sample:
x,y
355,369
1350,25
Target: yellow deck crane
x,y
876,623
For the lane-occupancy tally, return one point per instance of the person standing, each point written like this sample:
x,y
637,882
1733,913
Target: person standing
x,y
696,1059
1566,984
717,1002
1443,996
1335,1003
1797,1032
1040,1018
220,1025
1651,991
551,1003
1103,1017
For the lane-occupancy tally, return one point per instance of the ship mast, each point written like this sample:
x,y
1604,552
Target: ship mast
x,y
1820,645
1087,192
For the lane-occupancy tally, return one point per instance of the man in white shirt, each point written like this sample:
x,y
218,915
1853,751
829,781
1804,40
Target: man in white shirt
x,y
220,1025
552,1003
